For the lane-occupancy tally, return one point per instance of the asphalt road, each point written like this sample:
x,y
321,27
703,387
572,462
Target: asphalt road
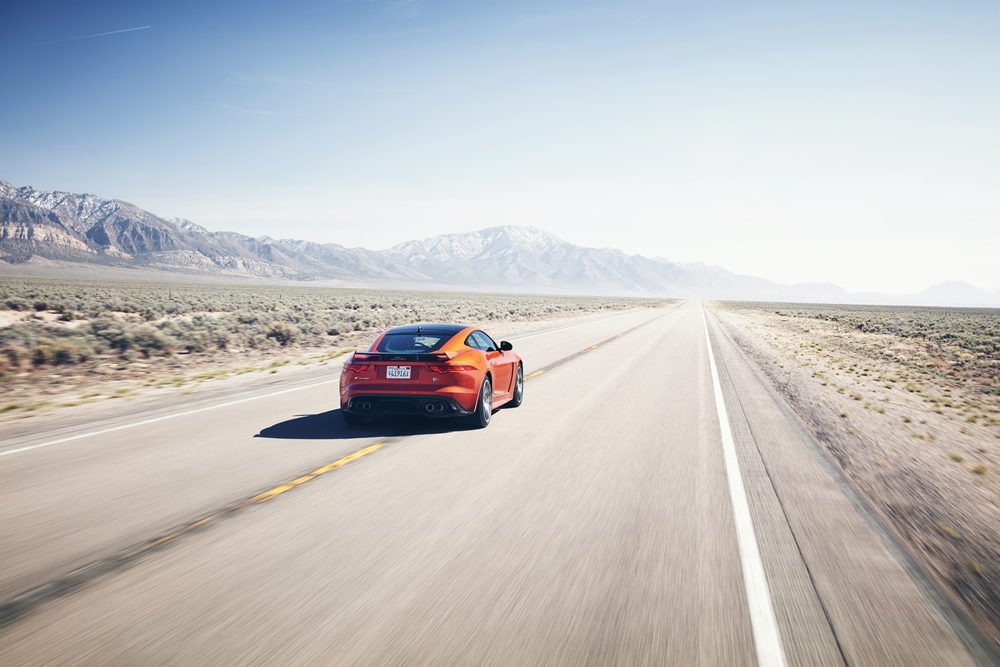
x,y
612,519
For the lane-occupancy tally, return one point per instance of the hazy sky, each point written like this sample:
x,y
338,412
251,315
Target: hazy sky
x,y
852,143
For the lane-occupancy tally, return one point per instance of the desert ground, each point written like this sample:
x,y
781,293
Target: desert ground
x,y
617,516
907,401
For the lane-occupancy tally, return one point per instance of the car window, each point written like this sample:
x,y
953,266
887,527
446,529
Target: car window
x,y
472,342
419,343
485,342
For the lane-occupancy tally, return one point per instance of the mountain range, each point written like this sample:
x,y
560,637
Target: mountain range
x,y
60,229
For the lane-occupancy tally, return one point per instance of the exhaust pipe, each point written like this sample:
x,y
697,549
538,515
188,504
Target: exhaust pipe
x,y
366,406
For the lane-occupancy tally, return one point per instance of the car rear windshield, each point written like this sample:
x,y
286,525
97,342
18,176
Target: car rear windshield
x,y
417,343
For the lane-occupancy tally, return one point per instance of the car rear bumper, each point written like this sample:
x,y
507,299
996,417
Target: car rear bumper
x,y
429,405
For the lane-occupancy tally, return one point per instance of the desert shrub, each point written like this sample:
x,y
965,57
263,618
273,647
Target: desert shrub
x,y
283,333
149,341
222,339
197,341
259,341
64,353
122,337
15,356
130,318
110,333
154,300
974,329
42,355
962,343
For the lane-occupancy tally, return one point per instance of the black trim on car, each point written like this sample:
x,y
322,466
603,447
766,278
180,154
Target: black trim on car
x,y
404,404
428,328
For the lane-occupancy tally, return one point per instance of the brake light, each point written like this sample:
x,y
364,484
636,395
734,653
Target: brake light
x,y
356,366
448,368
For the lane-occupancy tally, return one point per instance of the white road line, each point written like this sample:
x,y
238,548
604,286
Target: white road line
x,y
164,417
765,626
573,326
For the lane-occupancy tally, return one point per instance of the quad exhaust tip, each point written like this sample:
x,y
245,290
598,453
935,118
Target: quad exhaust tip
x,y
430,408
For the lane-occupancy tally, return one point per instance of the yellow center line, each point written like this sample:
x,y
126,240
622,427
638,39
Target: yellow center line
x,y
267,495
86,572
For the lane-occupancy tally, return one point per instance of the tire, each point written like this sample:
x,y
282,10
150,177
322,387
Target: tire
x,y
353,419
484,406
518,397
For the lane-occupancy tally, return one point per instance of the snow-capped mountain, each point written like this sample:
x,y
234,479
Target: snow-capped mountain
x,y
68,227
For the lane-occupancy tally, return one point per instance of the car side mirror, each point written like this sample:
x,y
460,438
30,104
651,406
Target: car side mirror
x,y
505,346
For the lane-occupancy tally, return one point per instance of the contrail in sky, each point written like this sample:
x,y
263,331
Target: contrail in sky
x,y
100,34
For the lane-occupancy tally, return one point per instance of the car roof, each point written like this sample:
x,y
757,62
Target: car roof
x,y
429,328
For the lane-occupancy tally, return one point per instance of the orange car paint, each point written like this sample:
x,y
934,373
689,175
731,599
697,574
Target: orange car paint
x,y
461,385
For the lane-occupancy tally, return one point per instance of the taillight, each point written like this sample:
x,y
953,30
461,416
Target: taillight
x,y
356,367
448,368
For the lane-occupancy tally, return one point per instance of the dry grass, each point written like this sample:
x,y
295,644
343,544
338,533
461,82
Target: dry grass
x,y
947,531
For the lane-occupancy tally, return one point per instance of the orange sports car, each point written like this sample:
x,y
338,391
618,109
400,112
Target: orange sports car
x,y
436,370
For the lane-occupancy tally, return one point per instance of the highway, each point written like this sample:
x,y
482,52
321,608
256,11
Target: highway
x,y
623,515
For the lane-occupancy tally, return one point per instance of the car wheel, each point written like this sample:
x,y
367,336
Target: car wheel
x,y
518,388
355,420
484,406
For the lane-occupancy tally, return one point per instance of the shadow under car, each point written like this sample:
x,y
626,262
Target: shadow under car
x,y
331,426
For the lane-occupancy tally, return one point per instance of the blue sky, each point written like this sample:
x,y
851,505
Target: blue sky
x,y
855,143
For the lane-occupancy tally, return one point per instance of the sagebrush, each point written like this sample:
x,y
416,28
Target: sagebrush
x,y
76,321
960,343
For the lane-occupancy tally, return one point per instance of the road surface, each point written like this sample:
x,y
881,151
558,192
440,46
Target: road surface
x,y
650,503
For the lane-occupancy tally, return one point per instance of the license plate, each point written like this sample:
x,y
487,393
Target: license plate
x,y
397,372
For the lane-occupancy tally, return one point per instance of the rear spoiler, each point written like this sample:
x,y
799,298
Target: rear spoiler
x,y
376,356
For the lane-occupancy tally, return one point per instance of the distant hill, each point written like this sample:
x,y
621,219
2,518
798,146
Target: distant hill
x,y
63,227
955,293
